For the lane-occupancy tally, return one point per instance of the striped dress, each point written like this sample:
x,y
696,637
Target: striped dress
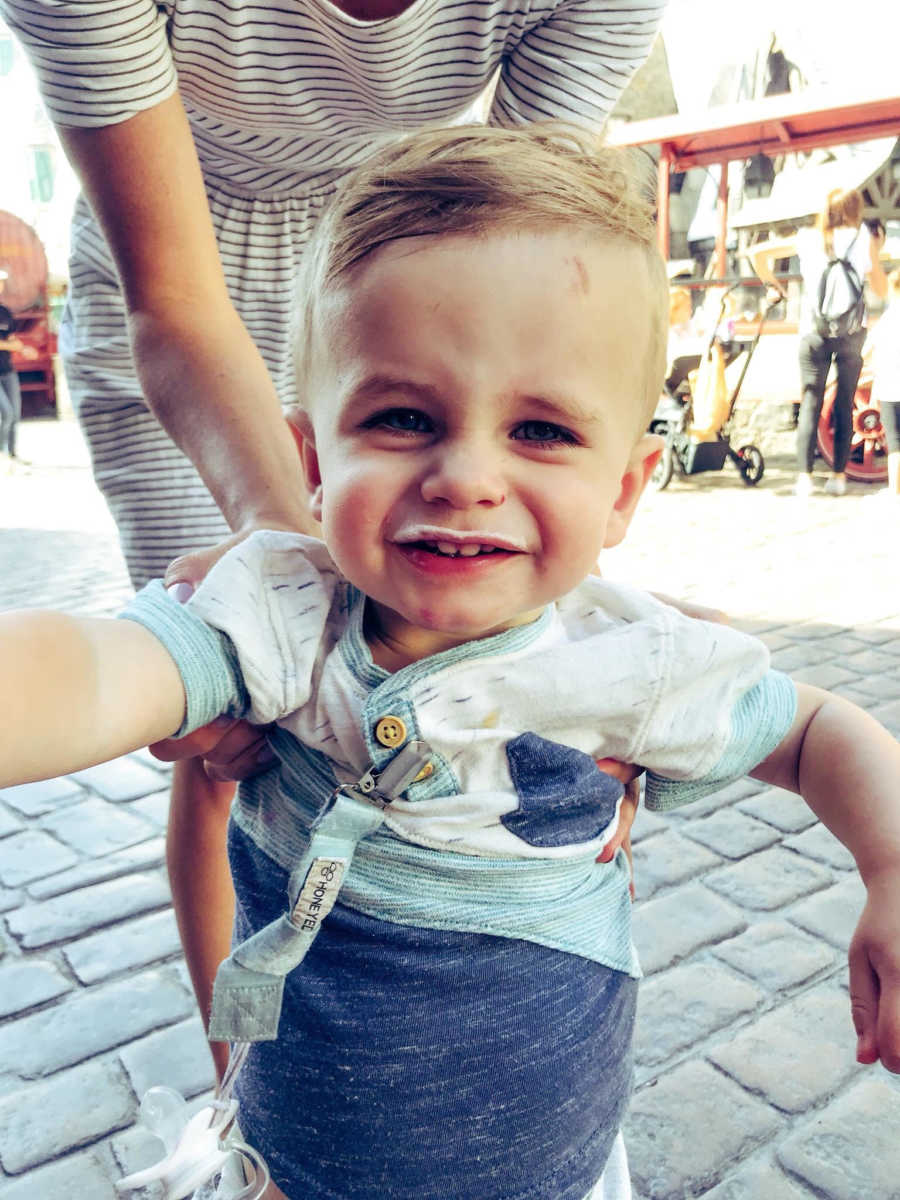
x,y
283,97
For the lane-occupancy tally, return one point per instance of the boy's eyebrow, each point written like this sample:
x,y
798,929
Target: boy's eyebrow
x,y
373,386
565,406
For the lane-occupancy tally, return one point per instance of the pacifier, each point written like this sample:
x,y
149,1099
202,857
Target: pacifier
x,y
199,1163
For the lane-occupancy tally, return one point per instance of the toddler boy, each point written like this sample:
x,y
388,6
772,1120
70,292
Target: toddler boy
x,y
481,344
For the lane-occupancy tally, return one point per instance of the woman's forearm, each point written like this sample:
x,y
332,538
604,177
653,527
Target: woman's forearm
x,y
206,383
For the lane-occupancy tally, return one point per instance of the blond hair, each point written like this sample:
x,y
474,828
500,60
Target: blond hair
x,y
477,180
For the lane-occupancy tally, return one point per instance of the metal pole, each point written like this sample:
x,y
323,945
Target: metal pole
x,y
662,200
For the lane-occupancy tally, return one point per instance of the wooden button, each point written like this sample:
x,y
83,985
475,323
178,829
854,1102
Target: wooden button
x,y
390,731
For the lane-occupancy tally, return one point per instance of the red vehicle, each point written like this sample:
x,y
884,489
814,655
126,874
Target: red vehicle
x,y
22,257
868,448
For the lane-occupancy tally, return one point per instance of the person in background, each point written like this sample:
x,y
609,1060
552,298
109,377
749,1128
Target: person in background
x,y
10,391
840,233
885,338
207,140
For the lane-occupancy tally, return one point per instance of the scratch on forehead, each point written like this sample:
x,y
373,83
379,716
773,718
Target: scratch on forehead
x,y
583,281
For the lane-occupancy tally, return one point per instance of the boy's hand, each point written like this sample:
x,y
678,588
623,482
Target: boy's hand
x,y
875,974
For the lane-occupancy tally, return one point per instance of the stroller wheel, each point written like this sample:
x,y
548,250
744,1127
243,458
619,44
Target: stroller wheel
x,y
662,472
752,464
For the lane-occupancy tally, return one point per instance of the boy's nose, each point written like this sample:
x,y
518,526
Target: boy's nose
x,y
464,476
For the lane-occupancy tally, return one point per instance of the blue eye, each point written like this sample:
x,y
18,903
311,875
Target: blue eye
x,y
545,433
403,420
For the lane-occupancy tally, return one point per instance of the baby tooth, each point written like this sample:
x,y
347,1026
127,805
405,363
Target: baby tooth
x,y
448,547
470,549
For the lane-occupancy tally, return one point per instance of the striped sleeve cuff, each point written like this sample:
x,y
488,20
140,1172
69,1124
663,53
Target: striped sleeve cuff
x,y
205,658
760,721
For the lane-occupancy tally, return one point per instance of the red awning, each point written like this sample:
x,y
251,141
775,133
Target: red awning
x,y
775,125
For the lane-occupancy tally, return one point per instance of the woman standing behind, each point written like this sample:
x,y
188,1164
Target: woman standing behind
x,y
207,135
837,234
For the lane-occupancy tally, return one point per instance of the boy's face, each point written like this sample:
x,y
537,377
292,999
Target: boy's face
x,y
472,441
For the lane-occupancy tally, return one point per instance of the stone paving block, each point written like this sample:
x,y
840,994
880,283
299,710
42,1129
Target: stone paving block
x,y
683,1006
687,1130
890,647
84,1176
762,1180
45,1120
92,1021
147,940
794,657
646,824
776,955
35,799
849,1151
97,827
153,808
869,661
785,810
666,860
819,843
139,857
26,984
8,823
672,927
885,637
889,715
120,779
730,833
862,700
797,1055
810,631
879,687
177,1057
89,908
769,879
9,898
30,855
832,914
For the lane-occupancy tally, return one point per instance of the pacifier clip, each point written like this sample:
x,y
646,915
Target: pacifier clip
x,y
249,986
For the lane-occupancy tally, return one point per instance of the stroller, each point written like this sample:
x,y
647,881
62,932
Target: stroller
x,y
690,449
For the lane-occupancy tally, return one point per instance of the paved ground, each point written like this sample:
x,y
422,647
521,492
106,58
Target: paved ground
x,y
747,1085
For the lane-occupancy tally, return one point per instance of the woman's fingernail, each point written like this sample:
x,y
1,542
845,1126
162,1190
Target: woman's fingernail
x,y
180,592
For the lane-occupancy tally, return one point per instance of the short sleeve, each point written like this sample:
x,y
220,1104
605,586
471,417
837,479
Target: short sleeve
x,y
98,62
760,719
272,597
703,674
205,659
574,65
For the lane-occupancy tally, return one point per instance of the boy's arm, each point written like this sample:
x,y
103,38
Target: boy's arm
x,y
79,691
847,768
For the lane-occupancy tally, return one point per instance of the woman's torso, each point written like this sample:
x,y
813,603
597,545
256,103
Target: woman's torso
x,y
848,242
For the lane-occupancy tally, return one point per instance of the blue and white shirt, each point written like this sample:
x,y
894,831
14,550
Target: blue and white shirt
x,y
477,951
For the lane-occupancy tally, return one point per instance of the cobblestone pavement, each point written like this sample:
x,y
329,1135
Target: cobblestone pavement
x,y
747,1088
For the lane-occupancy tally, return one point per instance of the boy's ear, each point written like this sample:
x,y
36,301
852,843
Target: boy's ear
x,y
304,436
644,458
